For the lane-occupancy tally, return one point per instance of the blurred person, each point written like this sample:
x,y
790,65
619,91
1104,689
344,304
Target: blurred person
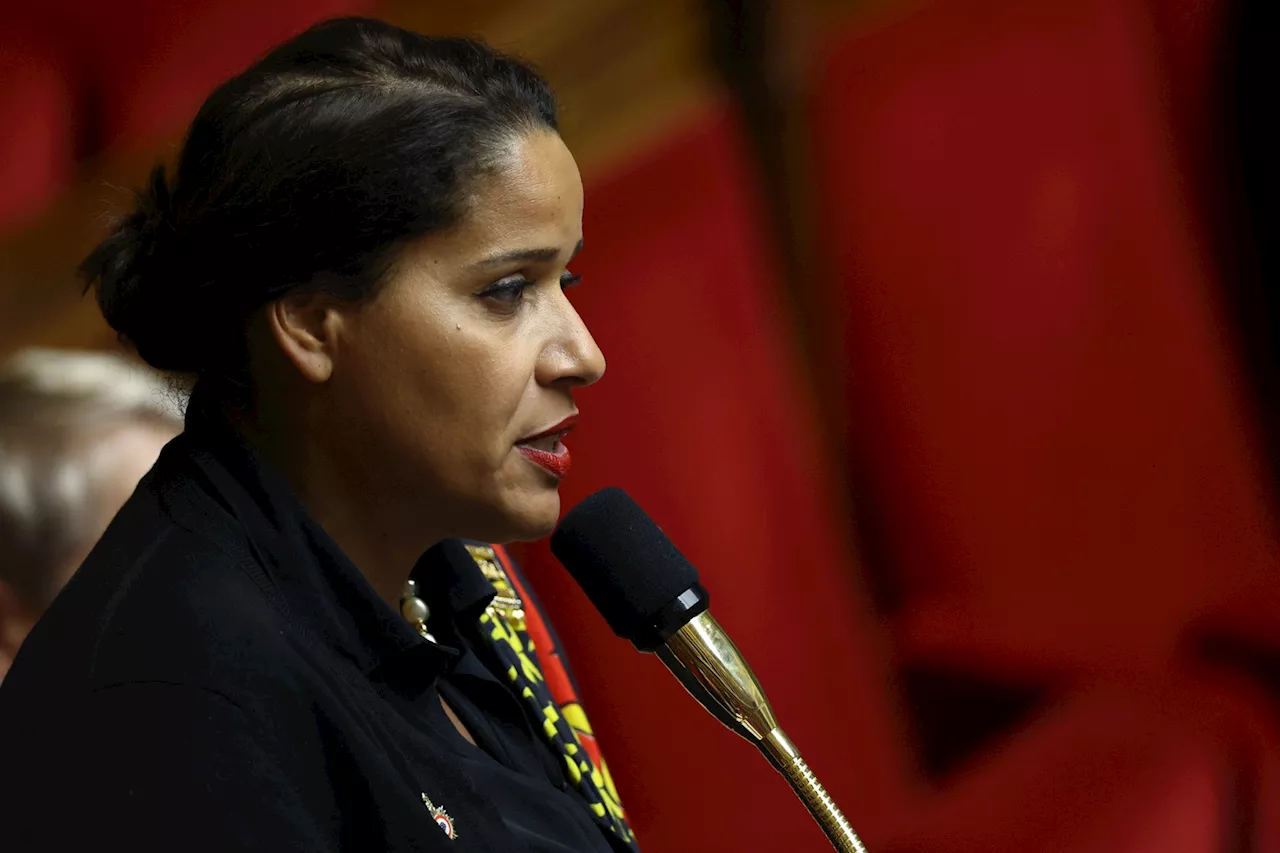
x,y
77,432
297,634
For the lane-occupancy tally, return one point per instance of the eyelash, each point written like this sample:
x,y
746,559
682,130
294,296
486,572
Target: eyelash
x,y
515,288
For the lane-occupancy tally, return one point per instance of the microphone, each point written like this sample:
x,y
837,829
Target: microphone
x,y
650,594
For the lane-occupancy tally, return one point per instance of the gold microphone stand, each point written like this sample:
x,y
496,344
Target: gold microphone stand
x,y
710,666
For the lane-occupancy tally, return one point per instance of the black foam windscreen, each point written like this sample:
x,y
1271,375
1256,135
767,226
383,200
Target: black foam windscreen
x,y
624,563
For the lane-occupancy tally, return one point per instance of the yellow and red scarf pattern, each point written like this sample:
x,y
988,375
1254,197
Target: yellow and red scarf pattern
x,y
523,643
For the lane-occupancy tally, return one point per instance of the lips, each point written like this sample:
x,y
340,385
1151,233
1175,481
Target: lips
x,y
546,449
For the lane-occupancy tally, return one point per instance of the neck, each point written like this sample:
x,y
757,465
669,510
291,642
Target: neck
x,y
366,521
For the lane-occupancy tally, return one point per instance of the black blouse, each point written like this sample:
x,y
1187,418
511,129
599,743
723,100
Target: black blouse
x,y
218,676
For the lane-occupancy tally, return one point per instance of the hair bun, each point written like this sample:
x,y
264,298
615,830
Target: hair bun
x,y
133,278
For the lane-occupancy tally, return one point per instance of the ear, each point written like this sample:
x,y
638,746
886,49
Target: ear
x,y
305,326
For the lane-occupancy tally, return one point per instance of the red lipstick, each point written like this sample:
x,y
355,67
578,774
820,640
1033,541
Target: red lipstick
x,y
546,449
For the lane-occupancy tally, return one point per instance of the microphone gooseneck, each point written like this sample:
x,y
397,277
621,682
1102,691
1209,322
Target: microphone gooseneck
x,y
650,594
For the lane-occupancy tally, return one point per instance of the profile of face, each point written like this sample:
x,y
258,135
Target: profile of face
x,y
446,395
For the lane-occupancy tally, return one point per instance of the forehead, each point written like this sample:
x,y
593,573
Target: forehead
x,y
534,194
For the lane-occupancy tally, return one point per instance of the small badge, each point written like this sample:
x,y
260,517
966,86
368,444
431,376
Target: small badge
x,y
441,816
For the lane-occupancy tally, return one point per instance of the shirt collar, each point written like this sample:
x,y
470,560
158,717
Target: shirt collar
x,y
451,582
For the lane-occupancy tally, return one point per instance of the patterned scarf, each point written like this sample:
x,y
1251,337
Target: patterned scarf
x,y
521,640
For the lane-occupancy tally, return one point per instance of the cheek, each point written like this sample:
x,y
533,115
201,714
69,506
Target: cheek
x,y
449,390
488,387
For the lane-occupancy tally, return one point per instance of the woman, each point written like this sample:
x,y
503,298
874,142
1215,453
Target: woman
x,y
362,256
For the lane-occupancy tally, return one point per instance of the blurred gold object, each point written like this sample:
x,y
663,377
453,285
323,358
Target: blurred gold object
x,y
710,666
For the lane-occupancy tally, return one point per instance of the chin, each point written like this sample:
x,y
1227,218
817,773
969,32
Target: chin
x,y
539,516
525,517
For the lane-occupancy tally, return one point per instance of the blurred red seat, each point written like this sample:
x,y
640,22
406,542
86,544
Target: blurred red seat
x,y
37,100
1185,764
1044,399
151,63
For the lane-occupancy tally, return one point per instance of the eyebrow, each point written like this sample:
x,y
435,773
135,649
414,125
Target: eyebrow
x,y
535,255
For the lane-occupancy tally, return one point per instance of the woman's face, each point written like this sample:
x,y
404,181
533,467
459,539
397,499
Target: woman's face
x,y
442,381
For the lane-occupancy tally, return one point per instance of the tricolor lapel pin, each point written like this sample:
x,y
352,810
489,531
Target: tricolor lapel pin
x,y
441,817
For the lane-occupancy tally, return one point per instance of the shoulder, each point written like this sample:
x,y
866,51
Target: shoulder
x,y
155,602
151,645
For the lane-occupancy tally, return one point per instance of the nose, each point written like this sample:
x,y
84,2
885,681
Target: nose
x,y
571,356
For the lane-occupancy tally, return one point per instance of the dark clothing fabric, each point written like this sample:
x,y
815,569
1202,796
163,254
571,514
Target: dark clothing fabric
x,y
219,677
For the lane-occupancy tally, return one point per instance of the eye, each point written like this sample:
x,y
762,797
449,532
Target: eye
x,y
508,292
569,280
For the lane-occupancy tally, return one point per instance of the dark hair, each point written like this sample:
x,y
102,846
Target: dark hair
x,y
308,170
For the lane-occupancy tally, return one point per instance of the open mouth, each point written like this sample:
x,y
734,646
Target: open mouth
x,y
552,443
547,449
